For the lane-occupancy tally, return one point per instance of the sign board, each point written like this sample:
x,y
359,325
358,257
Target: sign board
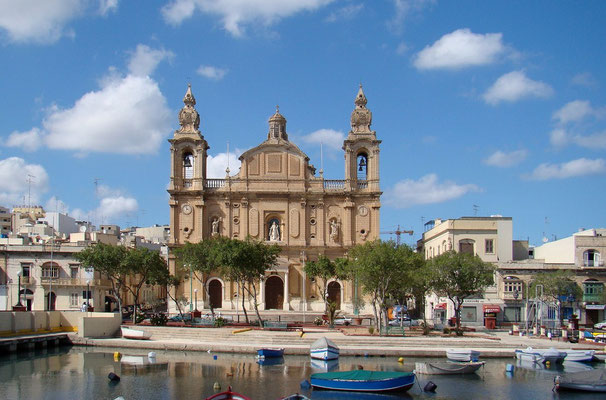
x,y
594,307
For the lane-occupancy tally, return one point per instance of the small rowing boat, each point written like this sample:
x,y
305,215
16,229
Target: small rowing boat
x,y
448,367
130,333
360,380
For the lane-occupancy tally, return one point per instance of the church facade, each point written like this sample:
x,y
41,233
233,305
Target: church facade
x,y
277,197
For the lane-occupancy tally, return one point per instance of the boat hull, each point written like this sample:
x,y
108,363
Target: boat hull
x,y
541,356
227,395
447,368
327,353
137,334
270,353
462,355
580,355
397,381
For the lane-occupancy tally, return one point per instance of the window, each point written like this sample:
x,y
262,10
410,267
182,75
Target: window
x,y
50,271
26,268
468,314
512,314
74,300
591,258
511,284
489,246
466,246
73,272
593,287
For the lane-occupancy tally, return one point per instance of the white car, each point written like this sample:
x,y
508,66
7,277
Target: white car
x,y
600,325
342,321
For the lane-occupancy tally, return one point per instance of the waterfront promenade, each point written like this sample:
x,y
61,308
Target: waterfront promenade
x,y
352,341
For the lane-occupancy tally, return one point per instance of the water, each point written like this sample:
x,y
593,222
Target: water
x,y
81,373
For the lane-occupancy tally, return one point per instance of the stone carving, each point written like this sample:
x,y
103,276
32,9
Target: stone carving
x,y
361,117
215,227
189,119
334,230
274,232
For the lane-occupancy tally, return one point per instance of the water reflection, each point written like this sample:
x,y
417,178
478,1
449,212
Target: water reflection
x,y
82,373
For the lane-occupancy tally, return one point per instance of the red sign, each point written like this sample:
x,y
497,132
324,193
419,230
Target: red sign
x,y
491,308
441,306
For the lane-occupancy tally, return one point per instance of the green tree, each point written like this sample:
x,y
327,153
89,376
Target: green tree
x,y
386,273
459,276
552,286
325,269
108,260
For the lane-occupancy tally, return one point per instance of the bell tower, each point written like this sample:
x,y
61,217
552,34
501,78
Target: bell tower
x,y
188,154
361,149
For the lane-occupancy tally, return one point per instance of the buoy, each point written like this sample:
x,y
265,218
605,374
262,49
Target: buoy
x,y
509,368
214,357
113,377
430,387
548,363
217,386
117,356
305,384
151,354
401,360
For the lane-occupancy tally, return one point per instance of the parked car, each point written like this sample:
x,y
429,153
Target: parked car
x,y
600,325
342,321
405,321
178,318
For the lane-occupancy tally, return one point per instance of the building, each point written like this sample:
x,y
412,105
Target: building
x,y
5,221
276,197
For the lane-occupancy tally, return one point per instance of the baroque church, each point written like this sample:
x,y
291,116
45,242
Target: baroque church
x,y
276,197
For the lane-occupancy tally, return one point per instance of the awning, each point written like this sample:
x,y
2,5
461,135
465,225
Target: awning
x,y
491,308
440,306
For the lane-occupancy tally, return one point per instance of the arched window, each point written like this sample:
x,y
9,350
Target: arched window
x,y
188,169
467,246
362,165
591,258
513,287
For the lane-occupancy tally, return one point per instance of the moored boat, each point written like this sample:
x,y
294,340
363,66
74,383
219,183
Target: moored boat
x,y
448,367
551,355
580,355
463,355
360,380
324,349
587,381
269,353
227,395
296,396
130,333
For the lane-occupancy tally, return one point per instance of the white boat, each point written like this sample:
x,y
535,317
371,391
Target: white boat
x,y
130,333
580,355
448,367
543,356
588,381
324,349
324,365
464,355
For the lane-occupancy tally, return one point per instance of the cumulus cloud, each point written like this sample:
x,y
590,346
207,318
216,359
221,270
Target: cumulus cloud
x,y
116,207
403,9
459,49
144,60
216,165
504,160
577,110
18,180
348,12
327,137
514,86
426,190
105,6
235,14
571,119
579,167
27,141
211,72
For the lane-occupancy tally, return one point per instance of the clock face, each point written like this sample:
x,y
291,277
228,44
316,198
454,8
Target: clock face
x,y
186,209
363,211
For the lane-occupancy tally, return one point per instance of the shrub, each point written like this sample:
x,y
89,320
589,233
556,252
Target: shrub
x,y
159,319
446,331
219,322
371,330
139,317
318,321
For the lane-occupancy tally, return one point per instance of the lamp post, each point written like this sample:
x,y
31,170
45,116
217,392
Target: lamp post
x,y
516,294
191,286
356,309
19,292
87,294
196,298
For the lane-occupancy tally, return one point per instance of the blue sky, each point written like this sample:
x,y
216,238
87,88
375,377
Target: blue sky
x,y
483,107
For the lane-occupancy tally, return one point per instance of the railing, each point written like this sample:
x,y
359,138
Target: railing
x,y
334,184
27,280
592,263
511,296
593,298
362,184
214,183
70,281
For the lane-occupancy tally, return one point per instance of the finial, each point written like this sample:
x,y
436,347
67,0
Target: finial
x,y
277,109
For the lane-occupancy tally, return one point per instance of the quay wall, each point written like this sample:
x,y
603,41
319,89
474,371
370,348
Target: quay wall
x,y
88,324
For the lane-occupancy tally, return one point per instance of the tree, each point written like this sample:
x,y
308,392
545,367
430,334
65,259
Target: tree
x,y
459,276
108,260
555,286
385,271
245,262
326,269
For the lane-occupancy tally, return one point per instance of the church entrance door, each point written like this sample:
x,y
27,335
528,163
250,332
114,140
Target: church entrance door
x,y
215,292
334,293
274,293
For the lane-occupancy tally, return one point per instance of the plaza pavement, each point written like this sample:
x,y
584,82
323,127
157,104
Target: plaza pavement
x,y
352,341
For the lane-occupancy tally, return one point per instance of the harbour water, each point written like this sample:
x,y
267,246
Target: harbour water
x,y
82,373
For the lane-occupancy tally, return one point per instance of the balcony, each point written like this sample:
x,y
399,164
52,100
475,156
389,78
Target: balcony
x,y
362,184
27,280
510,296
334,184
81,282
214,183
593,298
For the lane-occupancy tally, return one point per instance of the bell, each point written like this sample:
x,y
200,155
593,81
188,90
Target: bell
x,y
362,164
187,162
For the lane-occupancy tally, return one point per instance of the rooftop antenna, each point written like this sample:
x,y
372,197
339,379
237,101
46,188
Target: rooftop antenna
x,y
29,192
227,169
475,210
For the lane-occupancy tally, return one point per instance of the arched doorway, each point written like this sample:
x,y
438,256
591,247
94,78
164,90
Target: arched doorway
x,y
334,293
274,293
215,292
50,305
27,297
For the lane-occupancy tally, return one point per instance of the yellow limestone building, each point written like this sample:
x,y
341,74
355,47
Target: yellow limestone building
x,y
276,197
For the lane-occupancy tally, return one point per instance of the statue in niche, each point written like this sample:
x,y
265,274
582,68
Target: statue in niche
x,y
449,244
215,227
334,230
274,232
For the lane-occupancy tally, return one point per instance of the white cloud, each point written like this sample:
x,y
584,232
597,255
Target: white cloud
x,y
38,21
144,60
403,8
573,111
126,116
348,12
426,190
211,72
584,79
327,137
579,167
216,165
559,137
28,141
54,204
515,86
105,6
503,160
15,189
116,207
571,118
235,14
459,49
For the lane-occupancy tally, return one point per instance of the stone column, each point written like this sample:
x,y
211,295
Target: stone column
x,y
262,295
286,304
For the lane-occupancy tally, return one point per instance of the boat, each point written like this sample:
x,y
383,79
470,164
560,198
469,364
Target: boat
x,y
551,355
324,365
140,364
464,355
575,366
269,353
587,381
448,367
599,357
130,333
360,380
579,355
228,394
270,360
296,396
324,349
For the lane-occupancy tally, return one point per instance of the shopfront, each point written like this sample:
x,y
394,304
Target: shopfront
x,y
439,313
490,315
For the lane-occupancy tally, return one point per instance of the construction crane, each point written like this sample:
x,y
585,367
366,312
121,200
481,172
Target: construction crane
x,y
397,232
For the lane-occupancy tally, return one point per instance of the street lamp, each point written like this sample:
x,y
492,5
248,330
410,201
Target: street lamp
x,y
19,292
87,294
196,297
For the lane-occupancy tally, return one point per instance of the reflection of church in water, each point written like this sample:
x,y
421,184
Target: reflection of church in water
x,y
278,198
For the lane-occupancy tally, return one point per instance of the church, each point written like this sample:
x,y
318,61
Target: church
x,y
277,197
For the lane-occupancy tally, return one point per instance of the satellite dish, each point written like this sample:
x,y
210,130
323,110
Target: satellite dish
x,y
83,228
545,240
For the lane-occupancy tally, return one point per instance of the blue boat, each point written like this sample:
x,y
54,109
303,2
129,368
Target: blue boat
x,y
270,361
363,381
269,353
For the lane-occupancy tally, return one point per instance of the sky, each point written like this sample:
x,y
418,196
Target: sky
x,y
483,108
